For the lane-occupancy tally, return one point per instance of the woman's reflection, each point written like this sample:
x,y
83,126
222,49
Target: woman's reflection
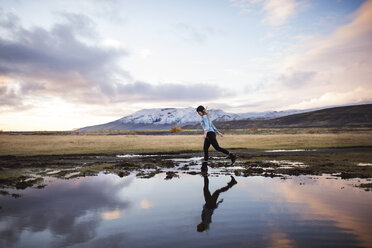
x,y
211,202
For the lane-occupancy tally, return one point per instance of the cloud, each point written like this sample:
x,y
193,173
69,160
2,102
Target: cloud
x,y
194,34
245,5
334,69
276,12
7,96
109,10
297,79
69,61
58,58
335,98
11,96
170,92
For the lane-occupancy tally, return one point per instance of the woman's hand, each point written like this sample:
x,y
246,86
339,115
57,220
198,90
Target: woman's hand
x,y
221,134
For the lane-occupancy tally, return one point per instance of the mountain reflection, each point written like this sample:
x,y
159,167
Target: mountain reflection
x,y
69,210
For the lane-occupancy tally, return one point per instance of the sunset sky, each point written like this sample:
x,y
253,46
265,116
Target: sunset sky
x,y
68,64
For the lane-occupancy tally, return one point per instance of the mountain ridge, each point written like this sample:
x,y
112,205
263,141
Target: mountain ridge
x,y
355,115
164,118
160,119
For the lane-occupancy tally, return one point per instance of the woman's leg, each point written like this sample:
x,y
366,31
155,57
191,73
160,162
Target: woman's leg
x,y
212,139
206,146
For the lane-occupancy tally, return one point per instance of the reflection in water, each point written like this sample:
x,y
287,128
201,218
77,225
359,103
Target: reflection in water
x,y
109,211
211,202
112,215
145,204
353,215
65,211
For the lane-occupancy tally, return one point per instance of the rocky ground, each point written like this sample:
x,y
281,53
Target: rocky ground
x,y
20,172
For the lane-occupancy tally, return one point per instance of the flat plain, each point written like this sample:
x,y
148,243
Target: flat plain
x,y
56,144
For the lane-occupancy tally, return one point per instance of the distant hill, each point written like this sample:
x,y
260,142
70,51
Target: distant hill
x,y
160,119
164,118
358,115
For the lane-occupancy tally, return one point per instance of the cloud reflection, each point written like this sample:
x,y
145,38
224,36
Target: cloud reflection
x,y
70,211
112,215
350,213
145,204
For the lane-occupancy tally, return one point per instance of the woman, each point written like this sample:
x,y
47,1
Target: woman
x,y
210,137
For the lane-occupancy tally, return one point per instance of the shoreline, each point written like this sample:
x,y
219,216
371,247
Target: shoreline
x,y
27,171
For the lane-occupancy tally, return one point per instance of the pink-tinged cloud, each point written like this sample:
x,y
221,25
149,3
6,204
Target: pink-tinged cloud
x,y
275,12
335,69
45,63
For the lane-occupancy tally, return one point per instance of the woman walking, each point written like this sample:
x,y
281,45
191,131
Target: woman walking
x,y
210,137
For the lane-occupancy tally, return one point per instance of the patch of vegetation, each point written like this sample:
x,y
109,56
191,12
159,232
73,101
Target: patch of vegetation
x,y
170,175
12,173
20,183
250,171
4,192
365,186
175,129
94,169
148,174
16,195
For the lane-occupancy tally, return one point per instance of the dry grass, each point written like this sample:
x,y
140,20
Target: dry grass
x,y
77,144
298,141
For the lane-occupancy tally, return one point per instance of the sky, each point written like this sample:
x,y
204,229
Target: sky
x,y
69,64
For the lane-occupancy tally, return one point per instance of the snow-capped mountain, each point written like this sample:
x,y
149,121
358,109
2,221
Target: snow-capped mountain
x,y
161,118
164,118
174,116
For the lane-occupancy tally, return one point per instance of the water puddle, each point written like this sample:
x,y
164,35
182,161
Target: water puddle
x,y
286,164
292,150
72,174
138,155
364,164
190,211
194,164
53,172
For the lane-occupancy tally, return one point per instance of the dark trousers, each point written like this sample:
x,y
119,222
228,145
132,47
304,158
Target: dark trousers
x,y
211,200
211,140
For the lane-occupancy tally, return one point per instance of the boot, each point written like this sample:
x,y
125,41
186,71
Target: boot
x,y
232,157
204,167
232,181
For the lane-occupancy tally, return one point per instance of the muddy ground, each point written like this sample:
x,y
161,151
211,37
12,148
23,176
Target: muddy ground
x,y
21,172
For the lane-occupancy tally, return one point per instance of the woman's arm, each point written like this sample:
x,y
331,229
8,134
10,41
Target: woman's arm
x,y
216,130
206,125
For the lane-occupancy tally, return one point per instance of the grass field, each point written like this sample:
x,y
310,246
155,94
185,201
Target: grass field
x,y
112,144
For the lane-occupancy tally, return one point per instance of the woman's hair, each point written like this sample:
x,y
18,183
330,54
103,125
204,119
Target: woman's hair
x,y
203,110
